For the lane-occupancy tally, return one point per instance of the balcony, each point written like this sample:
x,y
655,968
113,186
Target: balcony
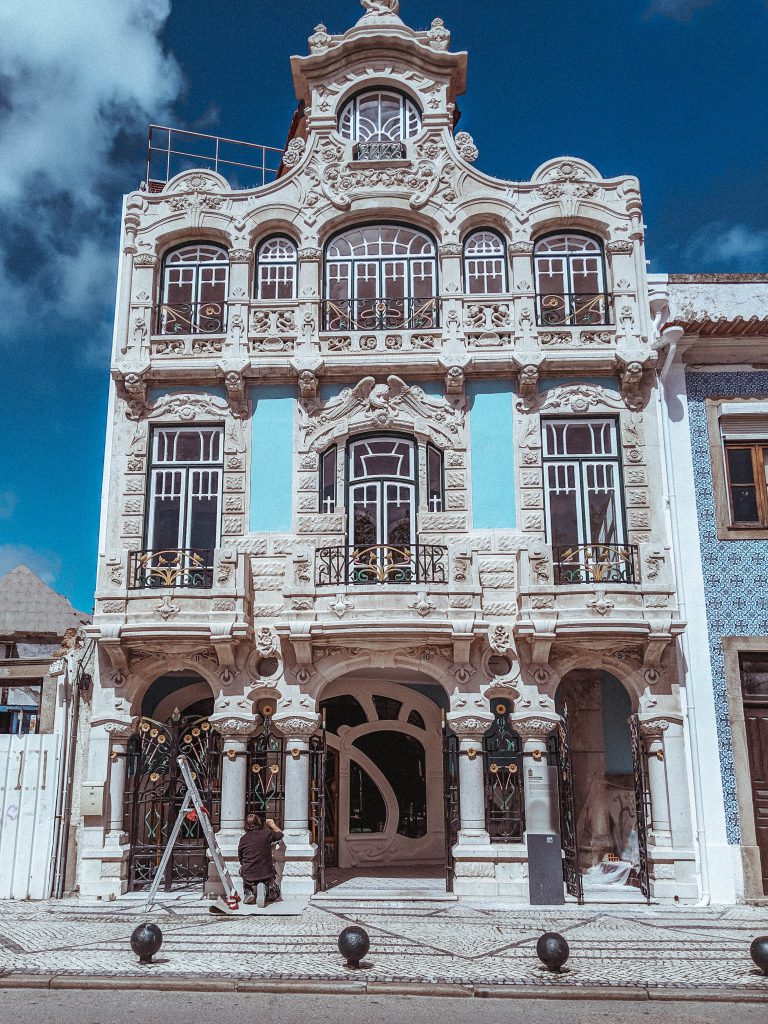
x,y
381,314
594,563
382,151
571,309
381,563
185,318
189,568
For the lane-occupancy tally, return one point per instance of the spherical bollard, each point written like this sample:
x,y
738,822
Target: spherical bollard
x,y
145,942
552,950
354,944
759,952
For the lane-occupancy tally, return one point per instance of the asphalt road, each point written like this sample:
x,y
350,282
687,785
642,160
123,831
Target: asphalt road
x,y
41,1006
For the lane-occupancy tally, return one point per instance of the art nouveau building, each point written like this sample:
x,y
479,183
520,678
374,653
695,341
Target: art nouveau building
x,y
381,504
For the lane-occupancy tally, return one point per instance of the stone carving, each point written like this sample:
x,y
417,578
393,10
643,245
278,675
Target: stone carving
x,y
309,254
600,603
466,147
145,259
423,604
538,560
500,637
541,602
166,609
439,36
212,346
654,728
492,315
223,604
272,321
234,381
578,398
621,245
631,377
520,248
234,727
654,560
377,8
529,387
307,386
341,605
533,727
568,183
294,152
267,641
450,249
319,41
113,607
240,255
470,726
294,726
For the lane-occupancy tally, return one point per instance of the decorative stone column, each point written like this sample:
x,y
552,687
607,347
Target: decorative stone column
x,y
474,860
240,261
652,733
542,813
299,865
120,733
235,733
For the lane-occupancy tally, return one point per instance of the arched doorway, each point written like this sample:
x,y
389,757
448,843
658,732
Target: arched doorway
x,y
384,778
174,720
609,792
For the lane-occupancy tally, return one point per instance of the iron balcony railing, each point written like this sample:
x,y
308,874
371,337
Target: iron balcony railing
x,y
173,150
595,563
380,314
381,563
191,568
191,318
571,309
380,151
504,799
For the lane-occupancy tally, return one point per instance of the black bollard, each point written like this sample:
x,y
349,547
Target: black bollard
x,y
145,942
759,952
354,944
552,950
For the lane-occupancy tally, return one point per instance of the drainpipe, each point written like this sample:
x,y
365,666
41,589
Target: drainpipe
x,y
672,336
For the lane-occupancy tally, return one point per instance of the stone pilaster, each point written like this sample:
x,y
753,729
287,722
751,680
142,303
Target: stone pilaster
x,y
299,866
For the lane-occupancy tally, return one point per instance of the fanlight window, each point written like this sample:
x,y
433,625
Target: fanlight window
x,y
276,269
379,116
570,281
194,291
484,264
380,277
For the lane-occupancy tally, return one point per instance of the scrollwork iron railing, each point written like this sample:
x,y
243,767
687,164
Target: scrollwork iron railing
x,y
572,309
380,151
191,318
380,314
175,567
381,563
595,563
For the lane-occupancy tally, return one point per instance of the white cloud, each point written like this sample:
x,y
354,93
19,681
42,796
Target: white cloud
x,y
79,82
721,246
7,504
677,10
46,564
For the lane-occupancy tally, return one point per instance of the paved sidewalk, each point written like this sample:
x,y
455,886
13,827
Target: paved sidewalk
x,y
471,948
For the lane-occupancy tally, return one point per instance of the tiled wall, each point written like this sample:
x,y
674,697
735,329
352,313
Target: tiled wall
x,y
735,571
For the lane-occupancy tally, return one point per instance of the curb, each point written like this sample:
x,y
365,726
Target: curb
x,y
308,986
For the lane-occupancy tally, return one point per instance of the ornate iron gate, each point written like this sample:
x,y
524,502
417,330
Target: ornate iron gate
x,y
451,800
154,793
560,754
642,804
318,760
504,799
265,788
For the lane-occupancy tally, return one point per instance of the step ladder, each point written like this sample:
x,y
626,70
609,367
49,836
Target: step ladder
x,y
193,799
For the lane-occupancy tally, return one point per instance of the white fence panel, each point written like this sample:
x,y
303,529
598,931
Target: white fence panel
x,y
29,779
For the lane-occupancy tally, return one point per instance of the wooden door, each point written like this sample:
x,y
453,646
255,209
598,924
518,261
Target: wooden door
x,y
756,720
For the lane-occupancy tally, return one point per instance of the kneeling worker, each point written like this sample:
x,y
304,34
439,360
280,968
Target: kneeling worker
x,y
257,868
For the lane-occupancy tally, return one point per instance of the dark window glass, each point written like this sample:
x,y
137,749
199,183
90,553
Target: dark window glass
x,y
367,810
387,708
745,465
344,710
754,674
328,481
434,479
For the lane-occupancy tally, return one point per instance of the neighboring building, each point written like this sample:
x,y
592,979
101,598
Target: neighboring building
x,y
38,718
716,383
382,498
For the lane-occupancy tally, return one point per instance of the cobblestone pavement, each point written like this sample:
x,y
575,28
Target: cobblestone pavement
x,y
478,943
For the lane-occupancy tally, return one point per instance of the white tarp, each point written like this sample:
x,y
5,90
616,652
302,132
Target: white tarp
x,y
29,779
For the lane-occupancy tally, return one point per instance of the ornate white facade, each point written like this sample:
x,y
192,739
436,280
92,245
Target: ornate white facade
x,y
470,604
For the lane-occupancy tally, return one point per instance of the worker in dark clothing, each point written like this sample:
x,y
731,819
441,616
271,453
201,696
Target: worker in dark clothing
x,y
257,868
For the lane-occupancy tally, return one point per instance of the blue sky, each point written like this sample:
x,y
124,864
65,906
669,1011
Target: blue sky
x,y
670,90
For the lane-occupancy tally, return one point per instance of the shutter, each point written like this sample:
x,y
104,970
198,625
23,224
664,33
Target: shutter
x,y
745,426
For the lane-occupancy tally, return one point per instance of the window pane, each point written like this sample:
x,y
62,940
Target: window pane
x,y
744,504
203,509
166,510
365,508
563,504
398,514
754,674
603,522
328,481
24,696
434,480
367,810
740,469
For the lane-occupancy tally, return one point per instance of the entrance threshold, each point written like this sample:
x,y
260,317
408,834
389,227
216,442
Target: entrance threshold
x,y
361,884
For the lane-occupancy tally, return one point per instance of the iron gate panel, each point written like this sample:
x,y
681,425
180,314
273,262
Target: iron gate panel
x,y
451,800
318,760
504,797
155,791
642,804
560,754
265,788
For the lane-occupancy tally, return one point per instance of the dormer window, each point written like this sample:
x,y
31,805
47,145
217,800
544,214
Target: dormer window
x,y
276,269
379,122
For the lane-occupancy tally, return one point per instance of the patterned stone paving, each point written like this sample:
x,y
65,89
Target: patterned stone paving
x,y
477,943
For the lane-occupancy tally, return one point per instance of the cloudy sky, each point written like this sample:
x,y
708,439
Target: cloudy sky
x,y
671,90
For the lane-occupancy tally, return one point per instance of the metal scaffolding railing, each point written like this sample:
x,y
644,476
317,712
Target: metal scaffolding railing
x,y
243,164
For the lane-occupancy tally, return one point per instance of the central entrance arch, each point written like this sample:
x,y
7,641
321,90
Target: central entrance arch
x,y
384,775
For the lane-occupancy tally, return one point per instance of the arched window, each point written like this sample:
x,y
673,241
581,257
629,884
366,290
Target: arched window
x,y
276,269
570,281
194,290
484,264
379,121
380,277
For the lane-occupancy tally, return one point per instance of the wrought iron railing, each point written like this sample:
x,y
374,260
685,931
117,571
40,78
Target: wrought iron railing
x,y
191,318
572,309
381,563
504,800
595,563
174,567
380,151
243,164
380,314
